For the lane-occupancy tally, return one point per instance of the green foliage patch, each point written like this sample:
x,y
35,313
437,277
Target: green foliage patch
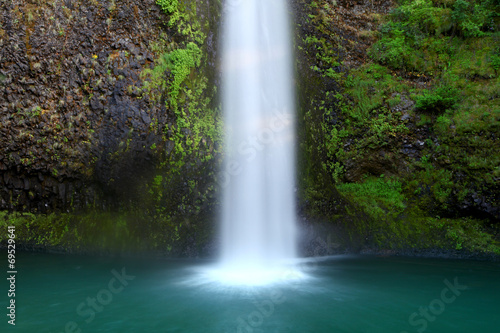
x,y
93,232
435,68
437,100
379,197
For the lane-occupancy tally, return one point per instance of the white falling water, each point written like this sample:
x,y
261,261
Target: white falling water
x,y
258,220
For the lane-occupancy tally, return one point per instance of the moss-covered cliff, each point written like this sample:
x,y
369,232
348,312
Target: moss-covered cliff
x,y
111,129
109,122
403,118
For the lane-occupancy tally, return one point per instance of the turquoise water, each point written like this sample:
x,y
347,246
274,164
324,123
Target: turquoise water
x,y
56,293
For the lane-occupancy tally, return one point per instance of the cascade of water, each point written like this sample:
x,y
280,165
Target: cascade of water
x,y
258,219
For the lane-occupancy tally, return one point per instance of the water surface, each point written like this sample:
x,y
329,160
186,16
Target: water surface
x,y
338,294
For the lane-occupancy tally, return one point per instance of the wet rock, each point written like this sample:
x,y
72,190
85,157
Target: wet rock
x,y
405,117
374,163
66,81
96,105
18,183
145,118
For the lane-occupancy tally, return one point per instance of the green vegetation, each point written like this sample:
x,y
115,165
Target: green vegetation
x,y
183,17
396,224
438,100
93,232
184,182
181,62
380,198
178,75
423,109
365,107
173,195
424,35
325,47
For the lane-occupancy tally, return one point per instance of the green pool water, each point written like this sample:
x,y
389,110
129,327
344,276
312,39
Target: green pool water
x,y
62,293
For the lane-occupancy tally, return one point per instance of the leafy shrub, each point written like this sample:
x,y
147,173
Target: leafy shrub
x,y
495,61
391,50
438,100
423,15
475,19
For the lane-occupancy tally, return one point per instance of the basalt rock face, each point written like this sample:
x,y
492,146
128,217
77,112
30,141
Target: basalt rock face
x,y
75,125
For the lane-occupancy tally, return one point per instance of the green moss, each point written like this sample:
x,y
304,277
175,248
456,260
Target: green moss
x,y
179,75
325,54
324,43
429,187
98,232
474,58
181,63
379,197
370,87
458,112
395,224
183,17
466,145
368,118
190,151
470,234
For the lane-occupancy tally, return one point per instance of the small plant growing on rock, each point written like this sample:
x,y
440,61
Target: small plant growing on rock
x,y
438,100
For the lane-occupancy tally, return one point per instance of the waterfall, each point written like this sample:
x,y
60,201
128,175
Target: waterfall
x,y
258,178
